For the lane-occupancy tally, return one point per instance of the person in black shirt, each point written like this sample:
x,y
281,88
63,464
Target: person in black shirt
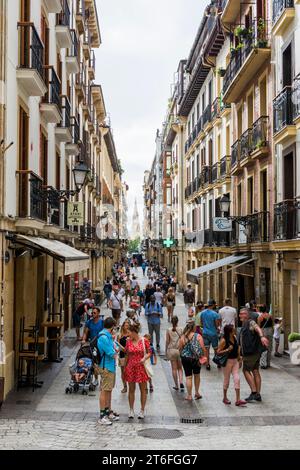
x,y
148,292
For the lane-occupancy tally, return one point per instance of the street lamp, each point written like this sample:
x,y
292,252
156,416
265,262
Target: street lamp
x,y
80,172
224,203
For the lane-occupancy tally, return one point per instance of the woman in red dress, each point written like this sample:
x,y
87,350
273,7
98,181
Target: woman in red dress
x,y
137,352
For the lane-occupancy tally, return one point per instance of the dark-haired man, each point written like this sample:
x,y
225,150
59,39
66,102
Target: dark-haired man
x,y
107,369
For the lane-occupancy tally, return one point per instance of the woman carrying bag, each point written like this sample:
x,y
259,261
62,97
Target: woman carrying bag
x,y
231,364
138,367
193,355
172,353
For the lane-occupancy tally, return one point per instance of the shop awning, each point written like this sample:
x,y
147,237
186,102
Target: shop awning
x,y
74,260
194,274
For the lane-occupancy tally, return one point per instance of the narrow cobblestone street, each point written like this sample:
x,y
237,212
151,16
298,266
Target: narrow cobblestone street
x,y
50,419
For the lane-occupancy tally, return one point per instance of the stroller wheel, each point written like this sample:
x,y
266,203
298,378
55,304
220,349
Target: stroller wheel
x,y
84,392
92,388
67,390
76,387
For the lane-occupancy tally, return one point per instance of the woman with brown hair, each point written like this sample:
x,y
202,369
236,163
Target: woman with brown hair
x,y
192,352
172,352
137,351
170,302
122,339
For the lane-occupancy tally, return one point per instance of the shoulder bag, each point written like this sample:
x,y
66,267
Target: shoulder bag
x,y
147,363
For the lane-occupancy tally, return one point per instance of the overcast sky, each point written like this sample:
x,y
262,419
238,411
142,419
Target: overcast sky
x,y
142,43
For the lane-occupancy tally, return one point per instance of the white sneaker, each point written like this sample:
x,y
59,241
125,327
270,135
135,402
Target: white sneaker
x,y
105,421
131,414
141,415
113,417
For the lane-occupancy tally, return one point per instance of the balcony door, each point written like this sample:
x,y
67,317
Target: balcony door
x,y
287,66
289,175
24,38
23,161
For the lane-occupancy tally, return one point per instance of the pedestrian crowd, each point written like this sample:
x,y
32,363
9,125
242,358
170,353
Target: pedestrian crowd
x,y
239,341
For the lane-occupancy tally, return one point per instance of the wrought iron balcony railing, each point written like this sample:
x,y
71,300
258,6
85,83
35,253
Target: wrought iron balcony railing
x,y
215,172
235,153
215,108
296,97
54,86
206,175
30,195
256,228
92,60
87,233
257,38
283,109
66,112
207,115
278,8
287,220
75,130
212,238
246,144
74,48
63,18
260,133
31,49
225,166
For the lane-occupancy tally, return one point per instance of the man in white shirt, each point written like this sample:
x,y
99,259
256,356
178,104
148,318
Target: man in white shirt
x,y
159,296
116,304
228,315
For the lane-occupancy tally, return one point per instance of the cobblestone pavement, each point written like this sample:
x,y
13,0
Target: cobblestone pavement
x,y
50,419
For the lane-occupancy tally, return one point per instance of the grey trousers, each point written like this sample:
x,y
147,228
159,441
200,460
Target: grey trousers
x,y
154,328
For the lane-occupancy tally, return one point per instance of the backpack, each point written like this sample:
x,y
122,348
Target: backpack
x,y
249,341
157,306
97,356
192,349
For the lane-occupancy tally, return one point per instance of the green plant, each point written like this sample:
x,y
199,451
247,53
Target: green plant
x,y
239,46
260,144
293,337
239,31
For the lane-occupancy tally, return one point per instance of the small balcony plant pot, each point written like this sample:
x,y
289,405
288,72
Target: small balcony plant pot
x,y
294,348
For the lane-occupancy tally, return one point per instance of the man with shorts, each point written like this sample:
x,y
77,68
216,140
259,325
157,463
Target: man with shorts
x,y
116,304
210,321
107,370
252,341
189,297
92,329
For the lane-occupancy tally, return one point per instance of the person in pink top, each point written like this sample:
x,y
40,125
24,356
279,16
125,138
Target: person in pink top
x,y
137,352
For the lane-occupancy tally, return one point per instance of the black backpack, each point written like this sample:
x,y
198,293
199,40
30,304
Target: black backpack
x,y
249,341
97,356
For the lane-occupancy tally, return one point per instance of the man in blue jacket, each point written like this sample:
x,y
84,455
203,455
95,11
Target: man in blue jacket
x,y
153,312
107,367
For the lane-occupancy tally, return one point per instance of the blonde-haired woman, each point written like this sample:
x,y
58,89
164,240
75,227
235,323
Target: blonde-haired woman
x,y
170,302
122,339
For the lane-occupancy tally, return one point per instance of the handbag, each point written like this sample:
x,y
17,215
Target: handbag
x,y
147,363
220,359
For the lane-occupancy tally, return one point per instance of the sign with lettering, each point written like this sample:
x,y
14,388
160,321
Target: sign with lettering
x,y
75,213
222,224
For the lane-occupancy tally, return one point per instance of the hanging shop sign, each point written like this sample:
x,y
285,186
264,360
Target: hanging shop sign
x,y
75,213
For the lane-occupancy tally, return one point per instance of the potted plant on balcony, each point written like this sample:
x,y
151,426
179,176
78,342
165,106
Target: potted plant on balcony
x,y
241,32
294,348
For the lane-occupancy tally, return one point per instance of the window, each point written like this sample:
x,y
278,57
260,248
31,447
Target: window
x,y
250,195
239,199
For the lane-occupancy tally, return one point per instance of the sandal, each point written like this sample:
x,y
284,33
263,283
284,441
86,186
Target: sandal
x,y
124,390
240,403
188,399
151,389
176,388
226,401
198,396
208,367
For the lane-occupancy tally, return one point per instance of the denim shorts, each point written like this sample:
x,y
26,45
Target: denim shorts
x,y
211,340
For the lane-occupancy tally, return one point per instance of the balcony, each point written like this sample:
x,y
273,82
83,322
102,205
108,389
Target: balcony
x,y
246,60
215,172
62,131
188,191
80,82
50,106
73,147
87,41
31,200
260,137
91,119
87,102
207,124
283,15
245,147
284,127
87,234
206,176
216,239
251,229
235,156
296,101
72,62
287,220
92,66
225,167
215,109
53,6
30,72
54,200
80,15
230,11
62,29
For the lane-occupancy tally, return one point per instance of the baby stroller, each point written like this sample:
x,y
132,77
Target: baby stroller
x,y
85,385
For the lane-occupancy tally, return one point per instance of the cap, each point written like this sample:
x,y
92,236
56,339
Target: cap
x,y
211,302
